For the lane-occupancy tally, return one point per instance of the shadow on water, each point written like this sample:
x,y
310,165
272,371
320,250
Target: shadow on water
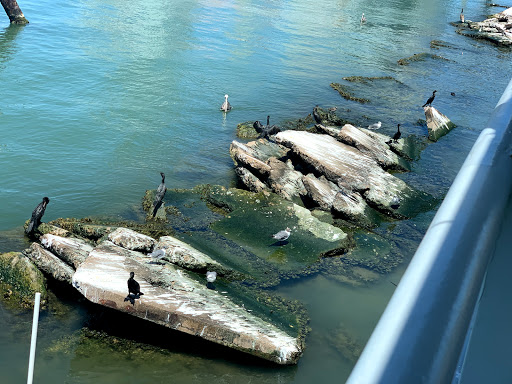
x,y
8,42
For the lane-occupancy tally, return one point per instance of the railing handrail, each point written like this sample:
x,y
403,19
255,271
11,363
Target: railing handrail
x,y
420,335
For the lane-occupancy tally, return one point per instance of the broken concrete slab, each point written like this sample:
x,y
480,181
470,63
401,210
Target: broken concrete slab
x,y
49,263
129,239
73,251
202,312
437,123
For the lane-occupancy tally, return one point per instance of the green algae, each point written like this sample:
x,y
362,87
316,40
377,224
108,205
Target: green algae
x,y
420,57
346,93
246,130
20,280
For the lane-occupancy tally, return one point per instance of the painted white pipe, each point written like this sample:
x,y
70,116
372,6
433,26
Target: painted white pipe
x,y
33,341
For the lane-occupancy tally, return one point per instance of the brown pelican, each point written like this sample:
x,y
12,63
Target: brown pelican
x,y
225,107
363,19
37,214
430,100
160,193
462,15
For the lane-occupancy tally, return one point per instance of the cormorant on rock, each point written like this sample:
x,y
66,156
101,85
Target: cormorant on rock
x,y
267,130
376,125
462,15
316,116
282,235
133,285
397,134
37,214
363,19
225,107
430,99
160,193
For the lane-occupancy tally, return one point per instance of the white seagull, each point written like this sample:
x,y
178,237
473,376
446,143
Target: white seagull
x,y
211,276
157,254
375,125
282,235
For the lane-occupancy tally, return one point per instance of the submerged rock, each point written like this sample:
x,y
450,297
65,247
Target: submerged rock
x,y
20,280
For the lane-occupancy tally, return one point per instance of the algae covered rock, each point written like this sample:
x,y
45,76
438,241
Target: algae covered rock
x,y
20,279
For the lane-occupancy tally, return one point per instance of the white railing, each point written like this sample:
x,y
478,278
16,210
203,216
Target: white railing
x,y
420,336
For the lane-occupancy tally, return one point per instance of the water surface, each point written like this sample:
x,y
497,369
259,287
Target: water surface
x,y
98,97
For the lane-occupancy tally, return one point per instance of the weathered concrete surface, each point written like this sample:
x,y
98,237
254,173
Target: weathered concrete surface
x,y
185,256
132,240
255,154
206,313
21,279
49,263
345,165
73,251
249,180
369,145
284,180
437,123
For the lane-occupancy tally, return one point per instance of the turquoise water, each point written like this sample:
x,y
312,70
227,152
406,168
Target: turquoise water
x,y
98,97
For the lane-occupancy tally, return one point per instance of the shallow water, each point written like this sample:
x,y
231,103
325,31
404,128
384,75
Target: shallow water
x,y
101,96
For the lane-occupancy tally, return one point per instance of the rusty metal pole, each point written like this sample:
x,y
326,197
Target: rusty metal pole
x,y
14,12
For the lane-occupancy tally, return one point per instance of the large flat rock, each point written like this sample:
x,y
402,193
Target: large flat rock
x,y
180,303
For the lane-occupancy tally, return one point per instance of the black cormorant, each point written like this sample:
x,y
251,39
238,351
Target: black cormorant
x,y
397,134
316,115
430,99
37,214
160,193
133,286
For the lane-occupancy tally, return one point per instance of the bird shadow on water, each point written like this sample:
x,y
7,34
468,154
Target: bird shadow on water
x,y
279,243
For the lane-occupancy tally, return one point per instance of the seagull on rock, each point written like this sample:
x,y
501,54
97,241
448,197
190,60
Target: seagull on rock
x,y
157,254
376,125
282,235
210,278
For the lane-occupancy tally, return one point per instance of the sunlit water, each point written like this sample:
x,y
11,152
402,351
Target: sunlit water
x,y
98,97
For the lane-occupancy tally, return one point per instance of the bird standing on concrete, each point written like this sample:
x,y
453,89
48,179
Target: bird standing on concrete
x,y
282,235
430,100
133,286
225,107
397,134
160,193
376,125
37,214
157,254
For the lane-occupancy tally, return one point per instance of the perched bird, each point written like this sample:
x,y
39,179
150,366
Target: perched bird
x,y
265,131
160,193
316,115
282,235
157,254
37,214
133,286
363,19
397,134
462,15
376,125
211,276
395,202
225,107
430,99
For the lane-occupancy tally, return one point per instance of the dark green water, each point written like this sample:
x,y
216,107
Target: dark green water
x,y
98,97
